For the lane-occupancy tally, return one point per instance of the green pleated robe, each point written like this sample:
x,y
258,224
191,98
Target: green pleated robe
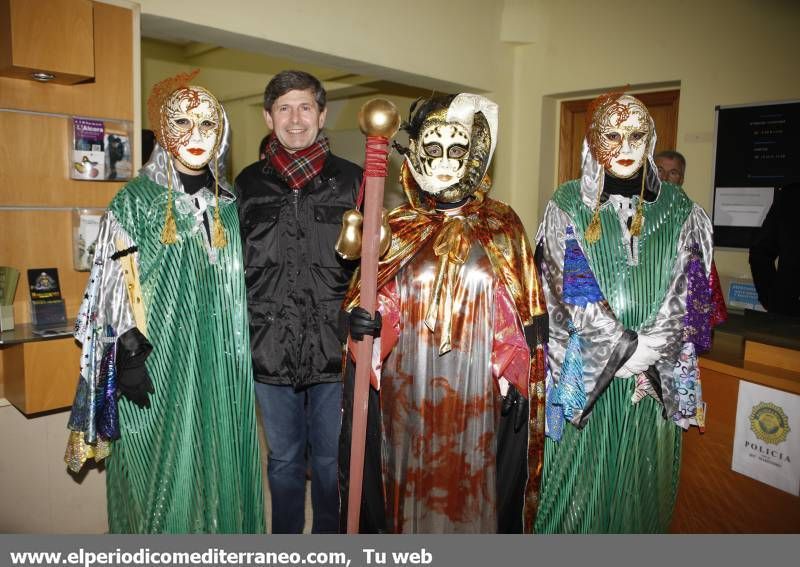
x,y
189,463
619,474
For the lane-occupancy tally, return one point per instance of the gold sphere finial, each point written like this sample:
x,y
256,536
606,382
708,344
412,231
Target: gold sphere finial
x,y
379,117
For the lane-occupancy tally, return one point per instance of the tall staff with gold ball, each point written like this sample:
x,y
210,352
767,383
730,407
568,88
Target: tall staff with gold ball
x,y
379,121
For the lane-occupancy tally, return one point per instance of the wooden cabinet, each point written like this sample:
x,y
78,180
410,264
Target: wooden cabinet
x,y
47,36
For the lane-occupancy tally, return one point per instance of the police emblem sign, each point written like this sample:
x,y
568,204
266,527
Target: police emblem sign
x,y
766,445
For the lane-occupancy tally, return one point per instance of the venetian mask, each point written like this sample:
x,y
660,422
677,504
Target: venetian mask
x,y
191,125
620,134
450,151
442,151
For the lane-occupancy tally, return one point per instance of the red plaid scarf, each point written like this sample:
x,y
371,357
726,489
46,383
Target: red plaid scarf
x,y
299,168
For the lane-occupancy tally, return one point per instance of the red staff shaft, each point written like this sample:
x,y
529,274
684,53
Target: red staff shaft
x,y
370,244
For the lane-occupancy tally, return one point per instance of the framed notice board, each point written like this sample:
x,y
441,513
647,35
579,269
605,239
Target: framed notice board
x,y
757,149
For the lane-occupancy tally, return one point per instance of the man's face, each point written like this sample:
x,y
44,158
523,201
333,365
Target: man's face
x,y
442,153
670,169
192,128
295,119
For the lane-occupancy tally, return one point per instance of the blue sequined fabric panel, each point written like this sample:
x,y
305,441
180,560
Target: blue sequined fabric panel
x,y
580,286
569,393
106,400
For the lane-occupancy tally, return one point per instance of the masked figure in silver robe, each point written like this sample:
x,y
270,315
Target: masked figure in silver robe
x,y
628,275
455,424
165,393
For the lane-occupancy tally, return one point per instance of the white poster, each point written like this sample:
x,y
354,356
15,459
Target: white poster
x,y
742,206
766,445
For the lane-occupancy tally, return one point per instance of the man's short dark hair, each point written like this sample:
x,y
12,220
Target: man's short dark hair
x,y
672,154
286,81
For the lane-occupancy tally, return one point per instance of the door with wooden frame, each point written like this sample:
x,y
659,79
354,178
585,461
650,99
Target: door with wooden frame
x,y
663,106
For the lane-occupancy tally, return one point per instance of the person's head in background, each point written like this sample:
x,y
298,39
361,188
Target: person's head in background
x,y
262,147
148,143
294,109
671,166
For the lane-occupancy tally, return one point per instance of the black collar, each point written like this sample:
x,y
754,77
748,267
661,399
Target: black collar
x,y
194,183
625,187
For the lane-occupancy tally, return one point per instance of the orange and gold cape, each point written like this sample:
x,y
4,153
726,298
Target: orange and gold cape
x,y
500,232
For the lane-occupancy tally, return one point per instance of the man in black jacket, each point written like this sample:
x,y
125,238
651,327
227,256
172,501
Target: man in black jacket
x,y
290,209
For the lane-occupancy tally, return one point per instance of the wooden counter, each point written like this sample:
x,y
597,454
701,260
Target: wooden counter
x,y
712,498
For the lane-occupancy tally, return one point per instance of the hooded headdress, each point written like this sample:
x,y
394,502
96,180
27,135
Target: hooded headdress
x,y
595,160
160,168
477,115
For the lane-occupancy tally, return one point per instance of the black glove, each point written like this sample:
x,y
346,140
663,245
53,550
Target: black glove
x,y
132,379
362,324
513,401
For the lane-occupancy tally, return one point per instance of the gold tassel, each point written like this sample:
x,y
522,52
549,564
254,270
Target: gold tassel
x,y
638,221
638,218
218,239
595,230
169,234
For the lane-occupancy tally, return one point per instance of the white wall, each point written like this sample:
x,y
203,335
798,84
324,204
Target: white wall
x,y
443,41
38,495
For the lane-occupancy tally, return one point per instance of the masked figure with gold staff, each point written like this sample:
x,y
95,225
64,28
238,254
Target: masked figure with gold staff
x,y
455,426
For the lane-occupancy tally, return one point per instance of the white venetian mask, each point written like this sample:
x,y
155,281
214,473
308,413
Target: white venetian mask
x,y
621,137
192,123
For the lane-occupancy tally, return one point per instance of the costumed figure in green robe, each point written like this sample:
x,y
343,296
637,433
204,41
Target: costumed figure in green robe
x,y
632,295
165,393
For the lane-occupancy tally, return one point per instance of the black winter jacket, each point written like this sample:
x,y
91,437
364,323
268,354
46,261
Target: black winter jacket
x,y
778,288
295,280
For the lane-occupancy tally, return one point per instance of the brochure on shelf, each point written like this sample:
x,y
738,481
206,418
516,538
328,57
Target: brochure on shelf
x,y
100,150
117,144
8,286
88,157
85,228
47,305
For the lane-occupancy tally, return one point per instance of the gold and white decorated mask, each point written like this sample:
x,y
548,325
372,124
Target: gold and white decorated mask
x,y
452,149
442,152
191,125
619,136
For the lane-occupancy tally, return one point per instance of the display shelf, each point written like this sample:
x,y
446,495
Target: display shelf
x,y
27,333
